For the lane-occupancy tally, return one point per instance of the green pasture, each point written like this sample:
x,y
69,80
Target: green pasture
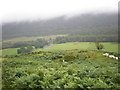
x,y
109,47
9,51
73,45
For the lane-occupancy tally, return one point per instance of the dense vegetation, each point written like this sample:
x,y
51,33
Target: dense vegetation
x,y
24,50
39,43
86,38
84,69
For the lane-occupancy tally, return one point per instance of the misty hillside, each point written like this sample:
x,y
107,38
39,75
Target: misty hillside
x,y
99,24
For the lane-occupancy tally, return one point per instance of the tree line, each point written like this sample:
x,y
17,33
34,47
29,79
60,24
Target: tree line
x,y
86,38
40,43
25,49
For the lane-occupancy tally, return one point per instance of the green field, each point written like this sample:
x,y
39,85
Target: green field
x,y
73,45
109,47
9,51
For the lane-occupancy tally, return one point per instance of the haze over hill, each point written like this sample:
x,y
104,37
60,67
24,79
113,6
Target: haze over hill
x,y
26,18
95,24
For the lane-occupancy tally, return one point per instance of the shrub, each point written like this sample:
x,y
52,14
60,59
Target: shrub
x,y
69,57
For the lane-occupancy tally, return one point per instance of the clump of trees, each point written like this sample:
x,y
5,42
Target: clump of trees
x,y
25,49
69,57
85,38
20,44
99,46
40,43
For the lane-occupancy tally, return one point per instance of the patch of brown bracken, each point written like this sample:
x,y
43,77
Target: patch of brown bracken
x,y
3,58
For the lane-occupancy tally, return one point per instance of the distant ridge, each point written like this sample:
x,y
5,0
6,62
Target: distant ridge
x,y
106,24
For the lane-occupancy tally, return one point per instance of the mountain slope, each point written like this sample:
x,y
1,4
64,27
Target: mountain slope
x,y
105,24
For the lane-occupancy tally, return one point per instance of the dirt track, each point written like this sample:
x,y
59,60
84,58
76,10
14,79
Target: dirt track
x,y
3,58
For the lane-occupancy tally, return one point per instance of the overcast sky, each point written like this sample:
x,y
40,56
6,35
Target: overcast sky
x,y
17,10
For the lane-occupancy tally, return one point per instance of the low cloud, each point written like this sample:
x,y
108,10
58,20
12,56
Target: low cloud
x,y
18,10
